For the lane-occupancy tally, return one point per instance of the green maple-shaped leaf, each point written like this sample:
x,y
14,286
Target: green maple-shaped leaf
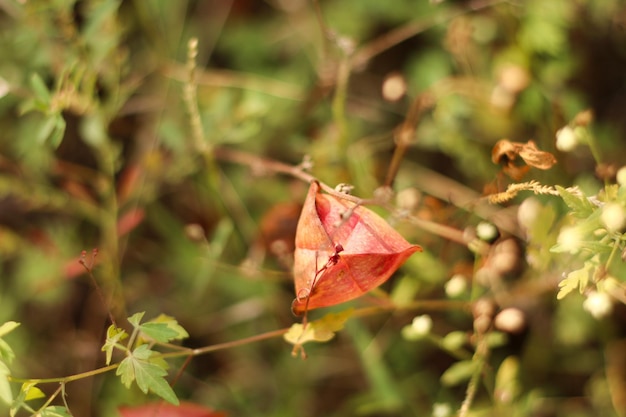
x,y
578,278
148,375
114,336
28,391
135,319
163,329
579,205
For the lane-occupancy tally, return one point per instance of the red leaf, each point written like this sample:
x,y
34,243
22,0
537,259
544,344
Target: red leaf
x,y
162,409
337,259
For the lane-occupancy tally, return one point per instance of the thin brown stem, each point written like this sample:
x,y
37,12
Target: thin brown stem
x,y
405,135
264,165
411,29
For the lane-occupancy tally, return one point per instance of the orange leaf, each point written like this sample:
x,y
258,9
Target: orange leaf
x,y
342,251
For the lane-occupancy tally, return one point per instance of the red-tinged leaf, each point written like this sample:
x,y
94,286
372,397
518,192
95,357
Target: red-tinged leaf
x,y
342,251
128,182
162,409
129,221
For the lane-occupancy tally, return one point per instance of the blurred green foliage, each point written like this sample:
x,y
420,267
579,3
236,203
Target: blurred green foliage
x,y
98,150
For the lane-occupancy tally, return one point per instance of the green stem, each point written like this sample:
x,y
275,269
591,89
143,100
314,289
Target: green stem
x,y
180,353
339,104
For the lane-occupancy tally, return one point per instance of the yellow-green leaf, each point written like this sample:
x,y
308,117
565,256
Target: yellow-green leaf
x,y
321,330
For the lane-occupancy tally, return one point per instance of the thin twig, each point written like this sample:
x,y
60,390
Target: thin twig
x,y
411,29
405,135
259,164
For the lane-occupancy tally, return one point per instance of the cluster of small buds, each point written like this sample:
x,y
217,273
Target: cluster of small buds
x,y
483,315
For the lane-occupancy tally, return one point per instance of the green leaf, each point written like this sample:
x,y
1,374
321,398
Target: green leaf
x,y
135,319
578,278
6,395
163,329
54,411
454,340
507,380
30,391
151,377
114,336
147,374
580,206
8,327
321,330
459,372
6,352
40,89
58,131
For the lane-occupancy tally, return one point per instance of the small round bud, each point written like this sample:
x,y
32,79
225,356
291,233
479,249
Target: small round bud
x,y
528,212
456,286
442,409
394,87
486,231
598,304
419,328
510,320
484,307
514,78
569,239
566,139
613,217
195,232
408,199
422,324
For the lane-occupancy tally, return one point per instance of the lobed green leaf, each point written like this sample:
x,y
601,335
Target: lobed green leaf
x,y
580,206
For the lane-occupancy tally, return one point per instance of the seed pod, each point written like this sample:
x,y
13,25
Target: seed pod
x,y
342,251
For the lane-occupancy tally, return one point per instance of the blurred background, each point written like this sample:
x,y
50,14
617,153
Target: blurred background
x,y
108,141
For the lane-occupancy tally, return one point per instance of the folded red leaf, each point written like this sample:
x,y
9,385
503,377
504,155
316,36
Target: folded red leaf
x,y
342,251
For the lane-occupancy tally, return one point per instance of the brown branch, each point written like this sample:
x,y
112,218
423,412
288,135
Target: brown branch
x,y
259,164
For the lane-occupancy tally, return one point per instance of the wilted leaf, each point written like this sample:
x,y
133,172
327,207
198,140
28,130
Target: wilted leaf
x,y
506,152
